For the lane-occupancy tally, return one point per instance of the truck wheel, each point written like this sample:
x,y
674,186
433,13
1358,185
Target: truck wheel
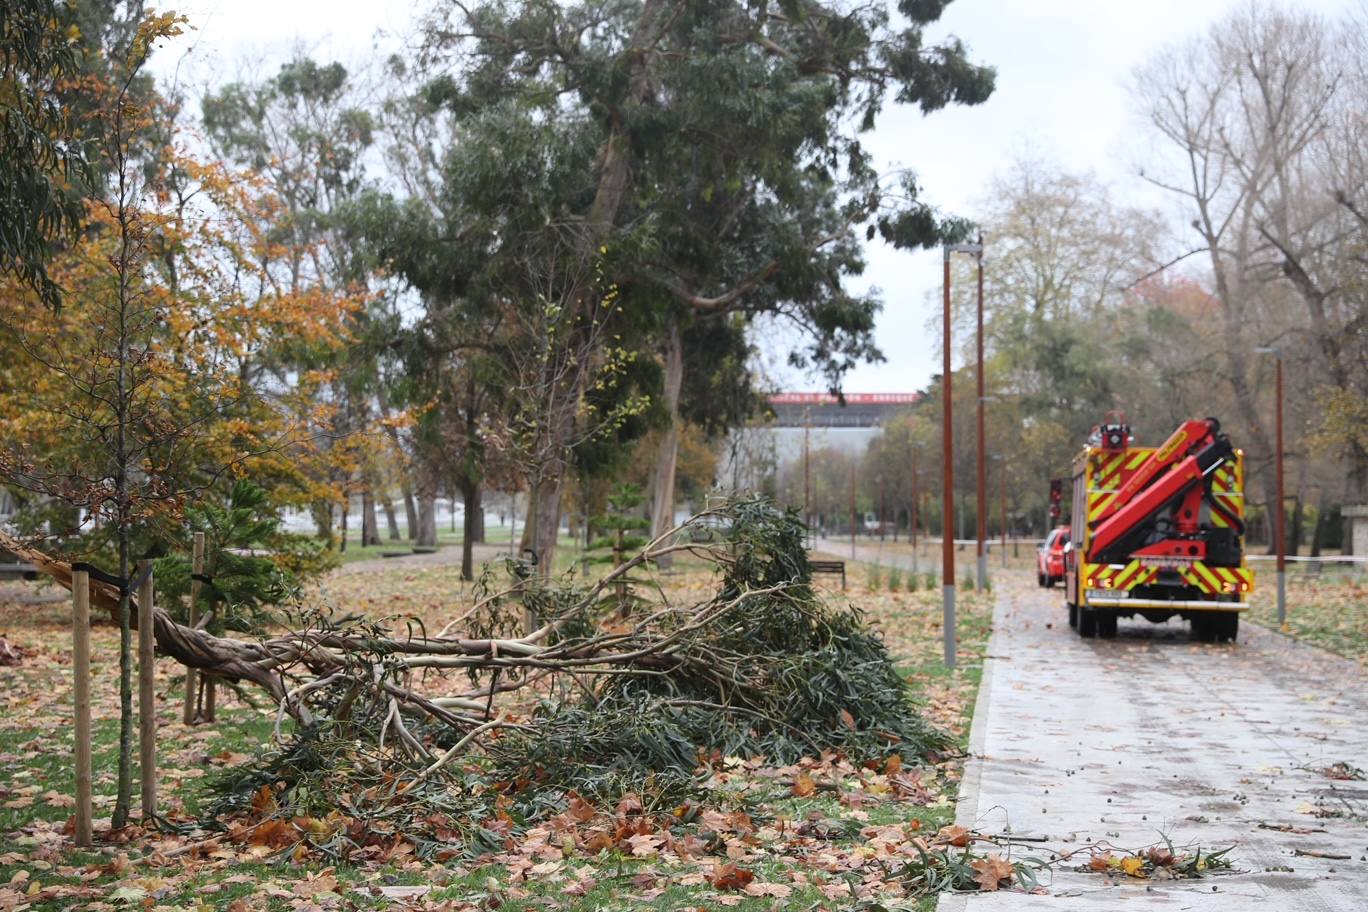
x,y
1050,581
1087,622
1040,580
1227,626
1106,624
1203,628
1073,615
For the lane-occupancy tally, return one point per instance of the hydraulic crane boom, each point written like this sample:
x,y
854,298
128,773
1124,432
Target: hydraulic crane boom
x,y
1173,476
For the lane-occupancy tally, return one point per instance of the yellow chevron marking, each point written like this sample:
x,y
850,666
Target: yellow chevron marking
x,y
1213,582
1137,460
1127,576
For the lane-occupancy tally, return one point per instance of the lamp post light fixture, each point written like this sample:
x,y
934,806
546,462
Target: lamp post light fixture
x,y
948,464
1279,518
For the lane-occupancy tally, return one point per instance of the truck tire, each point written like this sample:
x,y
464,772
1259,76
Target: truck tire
x,y
1204,627
1106,624
1040,579
1087,622
1073,615
1226,625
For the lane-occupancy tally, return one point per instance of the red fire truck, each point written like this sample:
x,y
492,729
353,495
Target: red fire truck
x,y
1158,531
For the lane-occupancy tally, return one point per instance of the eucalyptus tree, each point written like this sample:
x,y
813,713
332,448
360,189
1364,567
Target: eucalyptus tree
x,y
723,169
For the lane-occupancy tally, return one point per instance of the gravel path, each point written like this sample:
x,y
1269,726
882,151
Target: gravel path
x,y
1124,740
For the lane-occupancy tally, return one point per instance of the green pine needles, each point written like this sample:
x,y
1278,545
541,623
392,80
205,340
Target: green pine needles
x,y
760,668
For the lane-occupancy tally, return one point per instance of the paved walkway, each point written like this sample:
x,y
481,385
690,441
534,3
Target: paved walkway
x,y
1121,740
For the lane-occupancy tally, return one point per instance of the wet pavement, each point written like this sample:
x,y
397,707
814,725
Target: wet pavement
x,y
1151,735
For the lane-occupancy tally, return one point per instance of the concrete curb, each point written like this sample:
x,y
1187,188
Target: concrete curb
x,y
966,807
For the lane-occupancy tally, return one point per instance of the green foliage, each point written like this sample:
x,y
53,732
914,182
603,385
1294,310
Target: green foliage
x,y
42,156
894,578
875,576
245,588
814,679
618,527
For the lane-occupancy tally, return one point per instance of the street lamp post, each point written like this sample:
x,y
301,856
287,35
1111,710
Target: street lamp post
x,y
982,480
1002,490
807,476
913,518
853,517
948,468
1279,518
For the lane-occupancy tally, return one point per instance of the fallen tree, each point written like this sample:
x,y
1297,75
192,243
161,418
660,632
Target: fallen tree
x,y
588,704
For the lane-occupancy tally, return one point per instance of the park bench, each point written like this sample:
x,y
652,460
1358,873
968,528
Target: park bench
x,y
830,566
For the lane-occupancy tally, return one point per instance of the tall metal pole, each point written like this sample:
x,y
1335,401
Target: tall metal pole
x,y
853,517
982,468
947,487
915,517
1282,542
883,507
1003,460
807,474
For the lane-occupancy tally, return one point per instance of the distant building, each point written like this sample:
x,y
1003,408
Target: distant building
x,y
758,450
823,410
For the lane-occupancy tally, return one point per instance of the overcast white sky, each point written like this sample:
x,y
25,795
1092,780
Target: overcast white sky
x,y
1063,68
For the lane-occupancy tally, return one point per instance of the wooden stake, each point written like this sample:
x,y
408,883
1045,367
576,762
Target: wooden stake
x,y
80,669
197,568
147,696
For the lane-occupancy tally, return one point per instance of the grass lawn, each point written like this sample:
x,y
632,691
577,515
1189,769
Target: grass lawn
x,y
496,536
1329,609
823,834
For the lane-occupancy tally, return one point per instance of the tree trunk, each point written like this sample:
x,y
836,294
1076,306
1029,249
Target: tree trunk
x,y
322,512
370,528
1318,530
479,534
1294,534
662,510
410,513
124,789
391,521
543,522
346,508
471,500
427,519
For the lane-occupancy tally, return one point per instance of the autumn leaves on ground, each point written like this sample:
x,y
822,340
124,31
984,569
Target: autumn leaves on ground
x,y
828,830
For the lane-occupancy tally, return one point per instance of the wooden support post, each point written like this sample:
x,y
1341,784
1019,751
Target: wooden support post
x,y
80,669
147,695
207,685
197,568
